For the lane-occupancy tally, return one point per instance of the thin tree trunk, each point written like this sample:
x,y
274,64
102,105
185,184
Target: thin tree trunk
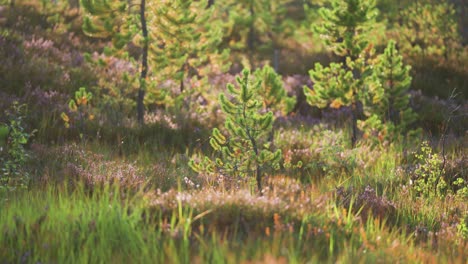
x,y
354,125
144,65
251,36
276,59
258,172
259,180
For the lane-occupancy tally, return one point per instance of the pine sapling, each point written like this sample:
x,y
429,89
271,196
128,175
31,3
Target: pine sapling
x,y
272,91
121,21
242,149
185,40
387,102
345,29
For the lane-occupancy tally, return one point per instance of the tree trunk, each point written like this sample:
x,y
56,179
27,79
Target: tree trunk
x,y
259,180
258,172
354,114
144,65
276,59
182,85
251,36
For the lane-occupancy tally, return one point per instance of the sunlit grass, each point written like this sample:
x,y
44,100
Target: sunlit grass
x,y
292,222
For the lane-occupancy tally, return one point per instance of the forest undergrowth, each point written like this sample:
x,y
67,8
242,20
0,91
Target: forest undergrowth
x,y
349,148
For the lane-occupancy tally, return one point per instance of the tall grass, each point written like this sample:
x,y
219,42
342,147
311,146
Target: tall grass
x,y
61,224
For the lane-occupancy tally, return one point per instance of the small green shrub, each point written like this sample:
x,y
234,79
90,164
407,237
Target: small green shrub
x,y
80,110
12,174
429,173
430,177
462,186
462,228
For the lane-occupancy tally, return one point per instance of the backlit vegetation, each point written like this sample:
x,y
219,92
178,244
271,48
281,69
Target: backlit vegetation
x,y
233,131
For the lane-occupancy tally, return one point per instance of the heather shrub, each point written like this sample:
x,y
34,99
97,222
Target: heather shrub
x,y
115,88
332,157
367,203
323,153
456,169
76,164
45,63
434,113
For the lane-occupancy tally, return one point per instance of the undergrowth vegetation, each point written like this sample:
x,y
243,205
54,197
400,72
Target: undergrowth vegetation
x,y
167,137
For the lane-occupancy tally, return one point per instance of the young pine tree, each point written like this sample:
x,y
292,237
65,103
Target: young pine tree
x,y
346,26
243,150
387,104
176,37
185,40
429,28
120,20
252,26
272,91
345,29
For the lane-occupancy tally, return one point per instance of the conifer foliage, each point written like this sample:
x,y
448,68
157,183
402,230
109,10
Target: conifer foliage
x,y
252,25
105,18
375,87
119,21
272,91
429,28
345,30
388,101
185,40
242,146
179,39
346,24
